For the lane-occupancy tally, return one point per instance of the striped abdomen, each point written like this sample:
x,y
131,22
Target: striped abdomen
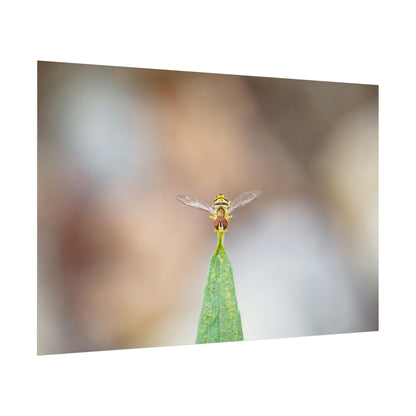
x,y
221,202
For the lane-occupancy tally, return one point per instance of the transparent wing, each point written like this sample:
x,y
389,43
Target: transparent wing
x,y
194,202
244,199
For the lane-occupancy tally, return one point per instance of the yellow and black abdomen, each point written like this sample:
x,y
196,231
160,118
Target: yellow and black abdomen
x,y
221,202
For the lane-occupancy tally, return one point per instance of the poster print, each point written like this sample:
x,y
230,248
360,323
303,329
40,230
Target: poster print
x,y
122,263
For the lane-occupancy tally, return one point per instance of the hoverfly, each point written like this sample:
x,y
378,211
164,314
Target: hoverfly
x,y
221,208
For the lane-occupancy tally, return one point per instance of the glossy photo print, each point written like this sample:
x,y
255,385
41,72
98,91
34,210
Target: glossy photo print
x,y
179,208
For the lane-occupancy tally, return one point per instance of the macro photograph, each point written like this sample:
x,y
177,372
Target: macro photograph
x,y
179,208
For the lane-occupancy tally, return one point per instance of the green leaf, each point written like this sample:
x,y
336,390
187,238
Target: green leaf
x,y
220,318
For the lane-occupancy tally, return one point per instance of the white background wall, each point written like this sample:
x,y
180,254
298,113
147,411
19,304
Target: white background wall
x,y
345,374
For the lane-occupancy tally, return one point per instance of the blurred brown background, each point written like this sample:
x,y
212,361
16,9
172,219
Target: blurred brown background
x,y
122,264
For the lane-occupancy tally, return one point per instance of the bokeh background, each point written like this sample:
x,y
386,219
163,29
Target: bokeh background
x,y
122,264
